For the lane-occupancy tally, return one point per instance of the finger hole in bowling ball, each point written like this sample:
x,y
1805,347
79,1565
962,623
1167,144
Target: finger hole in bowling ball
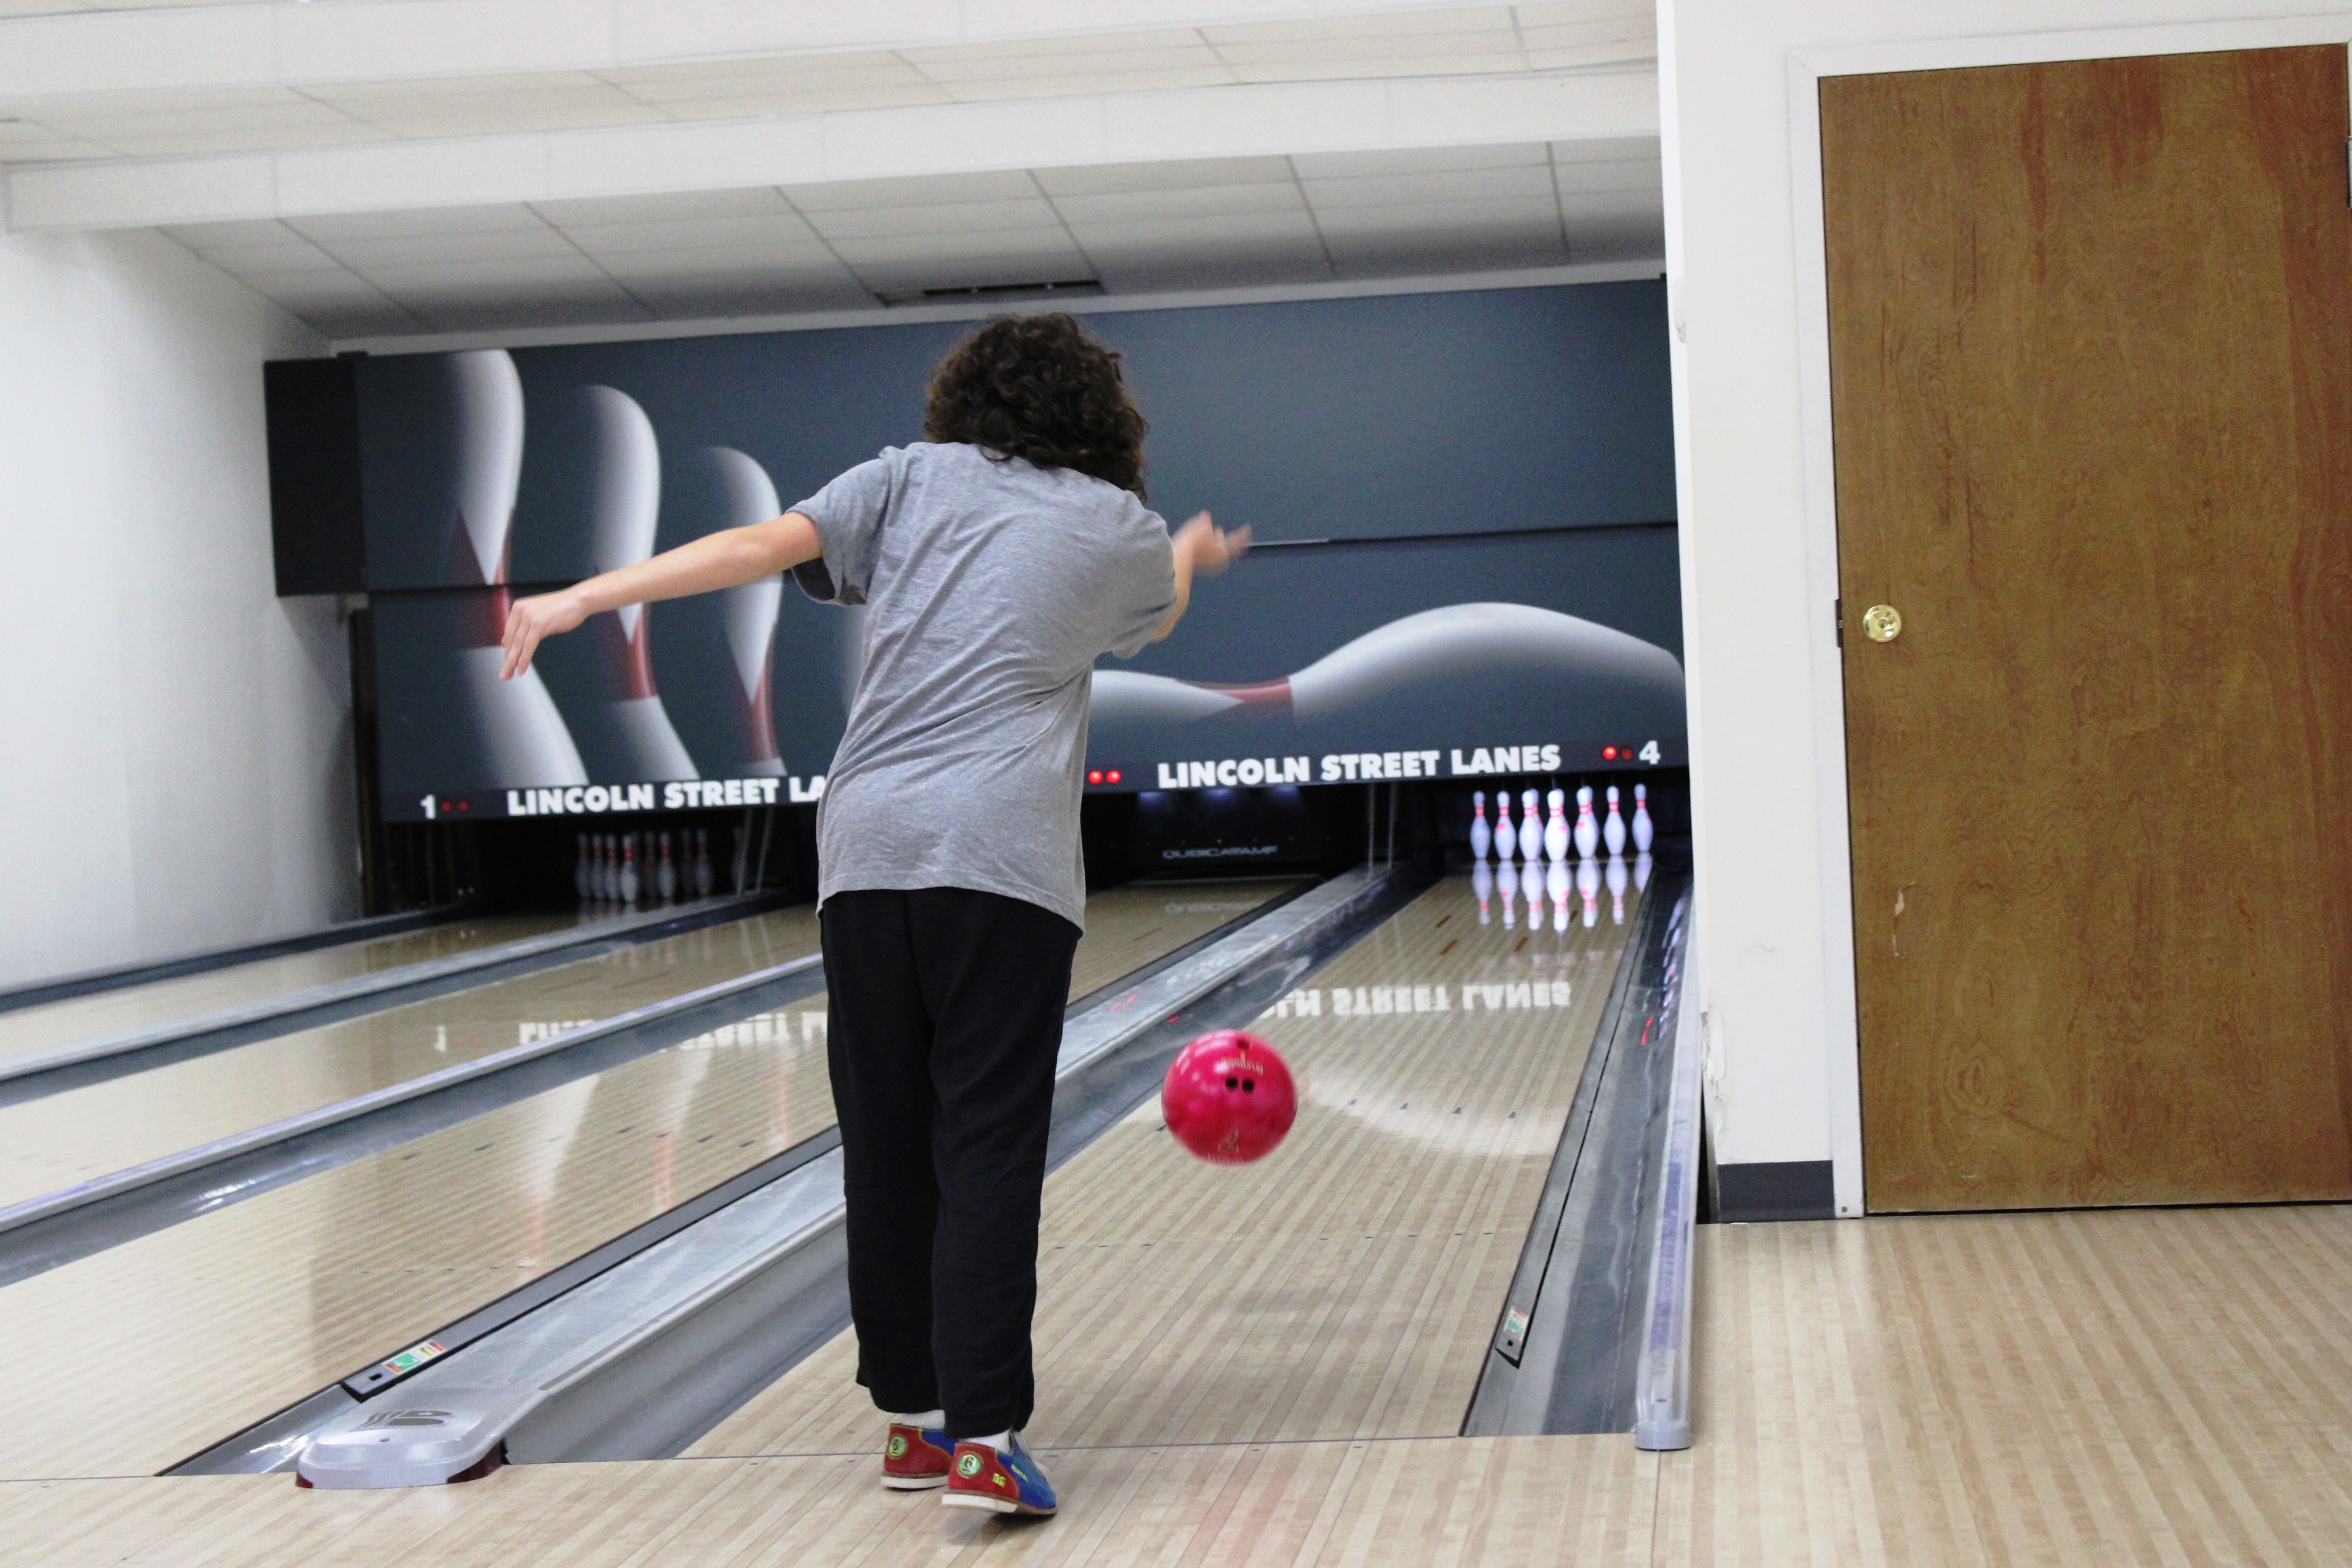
x,y
1248,1087
1230,1082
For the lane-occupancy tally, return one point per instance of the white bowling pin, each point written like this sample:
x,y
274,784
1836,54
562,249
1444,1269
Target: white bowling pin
x,y
580,870
1482,836
1642,864
1530,828
1643,830
596,882
1588,832
1617,889
1612,832
1587,884
1482,882
701,864
1556,828
629,869
666,878
1555,883
1507,837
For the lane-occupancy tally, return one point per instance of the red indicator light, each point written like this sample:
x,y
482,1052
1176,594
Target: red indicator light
x,y
1111,777
1094,775
1608,754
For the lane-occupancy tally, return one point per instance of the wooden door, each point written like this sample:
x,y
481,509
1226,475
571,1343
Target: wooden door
x,y
2091,352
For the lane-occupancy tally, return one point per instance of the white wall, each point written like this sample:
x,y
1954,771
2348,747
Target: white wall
x,y
175,749
1772,923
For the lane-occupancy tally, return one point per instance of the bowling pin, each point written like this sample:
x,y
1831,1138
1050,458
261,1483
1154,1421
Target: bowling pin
x,y
702,878
1507,838
1642,830
1482,882
1588,832
629,869
1555,883
599,877
667,879
1617,889
580,870
1612,832
1530,828
1556,828
1482,837
1587,884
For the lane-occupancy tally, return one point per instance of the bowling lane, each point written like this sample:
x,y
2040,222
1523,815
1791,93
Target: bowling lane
x,y
1346,1286
53,1142
132,1360
55,1024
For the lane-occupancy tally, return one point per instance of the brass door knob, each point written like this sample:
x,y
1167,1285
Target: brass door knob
x,y
1882,622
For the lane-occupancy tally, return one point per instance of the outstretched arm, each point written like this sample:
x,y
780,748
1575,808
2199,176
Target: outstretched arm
x,y
727,559
1203,549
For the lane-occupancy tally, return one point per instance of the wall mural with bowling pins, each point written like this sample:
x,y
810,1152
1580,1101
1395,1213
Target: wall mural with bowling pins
x,y
1465,503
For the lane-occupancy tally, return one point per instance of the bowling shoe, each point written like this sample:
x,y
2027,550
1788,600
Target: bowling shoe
x,y
915,1458
1006,1480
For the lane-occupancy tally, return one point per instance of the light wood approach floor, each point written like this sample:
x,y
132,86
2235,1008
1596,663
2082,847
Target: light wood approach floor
x,y
50,1144
2079,1389
129,1361
55,1024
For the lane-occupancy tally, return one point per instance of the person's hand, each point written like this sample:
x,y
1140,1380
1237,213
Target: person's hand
x,y
1211,548
533,620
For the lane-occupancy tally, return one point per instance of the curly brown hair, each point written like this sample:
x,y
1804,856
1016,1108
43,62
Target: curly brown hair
x,y
1043,388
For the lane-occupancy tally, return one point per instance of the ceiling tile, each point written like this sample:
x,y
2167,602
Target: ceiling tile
x,y
960,65
1577,206
1610,151
1526,180
1240,270
489,219
836,195
205,236
942,218
775,229
1049,249
1104,178
1418,160
423,250
1339,32
999,90
450,280
1433,65
1632,175
807,101
739,77
293,255
1047,47
746,202
1198,201
774,265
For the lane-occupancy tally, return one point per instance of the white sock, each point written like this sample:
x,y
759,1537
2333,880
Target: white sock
x,y
930,1420
1000,1441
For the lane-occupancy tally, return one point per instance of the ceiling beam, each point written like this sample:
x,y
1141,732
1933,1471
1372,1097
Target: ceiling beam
x,y
848,144
225,47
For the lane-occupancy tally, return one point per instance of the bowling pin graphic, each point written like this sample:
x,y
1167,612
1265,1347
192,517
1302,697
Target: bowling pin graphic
x,y
1555,883
1507,838
625,733
1482,837
1612,832
1587,884
469,469
1643,830
720,488
1482,882
1531,887
1588,832
1555,826
1617,889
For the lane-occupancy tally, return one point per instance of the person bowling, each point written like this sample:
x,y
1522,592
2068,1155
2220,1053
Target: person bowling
x,y
997,559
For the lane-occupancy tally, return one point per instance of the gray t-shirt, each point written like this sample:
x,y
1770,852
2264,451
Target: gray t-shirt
x,y
991,587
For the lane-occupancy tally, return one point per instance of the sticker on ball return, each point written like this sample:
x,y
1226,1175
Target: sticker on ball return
x,y
1228,1097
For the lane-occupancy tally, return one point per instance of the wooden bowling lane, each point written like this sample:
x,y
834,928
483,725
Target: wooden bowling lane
x,y
1134,925
1345,1287
129,1361
53,1142
56,1024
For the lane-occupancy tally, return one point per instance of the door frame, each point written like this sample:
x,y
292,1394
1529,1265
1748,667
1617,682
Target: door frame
x,y
1806,67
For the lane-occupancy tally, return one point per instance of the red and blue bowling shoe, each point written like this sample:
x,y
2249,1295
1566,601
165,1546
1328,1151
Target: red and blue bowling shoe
x,y
916,1458
1006,1480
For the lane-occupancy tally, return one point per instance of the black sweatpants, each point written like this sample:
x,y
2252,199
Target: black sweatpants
x,y
945,1016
